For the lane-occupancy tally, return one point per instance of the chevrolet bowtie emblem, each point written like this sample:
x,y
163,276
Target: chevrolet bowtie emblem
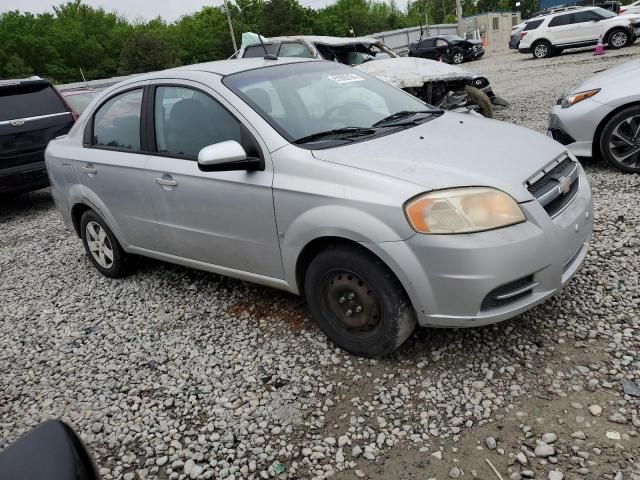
x,y
564,185
16,123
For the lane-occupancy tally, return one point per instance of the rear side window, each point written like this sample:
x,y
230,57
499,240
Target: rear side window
x,y
117,122
560,20
256,51
24,101
295,49
533,25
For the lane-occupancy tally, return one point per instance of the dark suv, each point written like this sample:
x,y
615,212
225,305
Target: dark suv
x,y
32,112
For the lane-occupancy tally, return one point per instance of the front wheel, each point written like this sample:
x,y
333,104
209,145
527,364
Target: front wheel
x,y
618,38
620,140
475,96
457,57
357,301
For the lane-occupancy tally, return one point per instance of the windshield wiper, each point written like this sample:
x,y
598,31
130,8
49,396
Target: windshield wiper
x,y
394,118
342,133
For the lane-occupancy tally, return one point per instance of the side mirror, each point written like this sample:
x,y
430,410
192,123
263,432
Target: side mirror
x,y
52,450
227,156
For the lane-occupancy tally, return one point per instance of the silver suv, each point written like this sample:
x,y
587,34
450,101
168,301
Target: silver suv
x,y
315,178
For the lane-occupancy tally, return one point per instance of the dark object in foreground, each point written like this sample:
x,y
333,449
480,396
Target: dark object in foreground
x,y
51,451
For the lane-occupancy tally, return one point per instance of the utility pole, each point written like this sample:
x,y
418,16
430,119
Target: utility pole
x,y
461,30
233,36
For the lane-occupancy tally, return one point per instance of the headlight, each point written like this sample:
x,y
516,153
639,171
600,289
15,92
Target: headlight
x,y
572,99
463,210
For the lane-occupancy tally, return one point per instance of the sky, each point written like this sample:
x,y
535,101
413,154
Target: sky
x,y
170,10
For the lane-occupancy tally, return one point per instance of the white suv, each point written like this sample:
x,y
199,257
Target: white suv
x,y
550,35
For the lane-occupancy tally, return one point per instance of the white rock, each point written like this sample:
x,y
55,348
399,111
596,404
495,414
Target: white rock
x,y
595,410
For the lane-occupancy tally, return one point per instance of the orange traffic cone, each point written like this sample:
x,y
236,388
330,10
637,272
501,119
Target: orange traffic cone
x,y
485,43
599,47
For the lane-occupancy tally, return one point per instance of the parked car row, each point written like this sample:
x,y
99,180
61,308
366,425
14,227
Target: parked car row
x,y
322,180
574,27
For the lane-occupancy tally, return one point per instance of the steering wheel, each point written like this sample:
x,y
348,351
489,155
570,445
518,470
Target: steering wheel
x,y
344,111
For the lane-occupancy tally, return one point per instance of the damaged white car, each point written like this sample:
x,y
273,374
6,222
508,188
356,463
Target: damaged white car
x,y
445,86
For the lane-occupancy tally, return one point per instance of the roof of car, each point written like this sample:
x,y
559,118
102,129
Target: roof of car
x,y
325,40
227,67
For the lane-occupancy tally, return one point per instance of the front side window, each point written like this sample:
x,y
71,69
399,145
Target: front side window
x,y
295,49
603,13
117,122
585,16
187,120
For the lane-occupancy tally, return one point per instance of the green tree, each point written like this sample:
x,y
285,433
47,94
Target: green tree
x,y
146,50
15,67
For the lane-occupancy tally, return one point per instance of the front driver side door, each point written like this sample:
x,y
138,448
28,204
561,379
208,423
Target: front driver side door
x,y
224,219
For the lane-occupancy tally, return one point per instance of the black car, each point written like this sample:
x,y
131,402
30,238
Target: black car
x,y
448,48
32,112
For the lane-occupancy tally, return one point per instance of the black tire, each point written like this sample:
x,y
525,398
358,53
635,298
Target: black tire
x,y
618,132
117,266
456,57
475,96
341,279
617,38
541,49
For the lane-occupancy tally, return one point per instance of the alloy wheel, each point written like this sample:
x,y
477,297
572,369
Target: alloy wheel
x,y
99,244
351,302
458,58
541,50
619,39
624,142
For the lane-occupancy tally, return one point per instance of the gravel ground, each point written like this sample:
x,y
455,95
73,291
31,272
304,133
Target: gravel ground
x,y
175,373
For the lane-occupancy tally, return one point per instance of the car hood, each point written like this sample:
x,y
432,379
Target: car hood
x,y
406,72
454,150
627,72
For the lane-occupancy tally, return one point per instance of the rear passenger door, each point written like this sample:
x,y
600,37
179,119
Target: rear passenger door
x,y
112,169
224,219
562,30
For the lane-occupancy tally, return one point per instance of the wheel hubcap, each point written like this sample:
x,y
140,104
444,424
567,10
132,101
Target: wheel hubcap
x,y
624,143
457,58
351,301
541,51
99,245
619,39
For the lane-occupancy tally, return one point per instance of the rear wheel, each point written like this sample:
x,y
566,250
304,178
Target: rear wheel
x,y
620,140
475,96
102,247
618,38
358,302
541,49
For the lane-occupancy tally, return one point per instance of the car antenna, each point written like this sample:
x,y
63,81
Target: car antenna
x,y
267,55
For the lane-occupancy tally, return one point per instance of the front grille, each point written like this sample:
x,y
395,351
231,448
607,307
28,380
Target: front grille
x,y
508,293
556,186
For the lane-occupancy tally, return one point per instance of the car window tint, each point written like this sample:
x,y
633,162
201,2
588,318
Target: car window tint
x,y
23,101
533,25
187,120
441,43
117,122
426,43
294,49
560,20
582,17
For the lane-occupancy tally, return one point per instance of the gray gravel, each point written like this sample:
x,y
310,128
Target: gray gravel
x,y
175,373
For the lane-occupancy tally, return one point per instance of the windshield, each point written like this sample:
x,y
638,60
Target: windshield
x,y
303,99
604,13
453,39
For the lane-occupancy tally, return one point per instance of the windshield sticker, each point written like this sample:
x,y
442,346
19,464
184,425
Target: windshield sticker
x,y
346,78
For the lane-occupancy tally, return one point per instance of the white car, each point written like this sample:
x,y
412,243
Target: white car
x,y
579,28
633,8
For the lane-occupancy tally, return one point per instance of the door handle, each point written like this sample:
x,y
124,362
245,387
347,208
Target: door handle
x,y
89,169
166,182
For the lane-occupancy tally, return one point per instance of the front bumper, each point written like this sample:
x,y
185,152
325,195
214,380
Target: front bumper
x,y
449,278
23,178
575,127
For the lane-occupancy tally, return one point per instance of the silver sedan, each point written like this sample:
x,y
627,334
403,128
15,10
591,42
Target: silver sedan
x,y
318,179
601,117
